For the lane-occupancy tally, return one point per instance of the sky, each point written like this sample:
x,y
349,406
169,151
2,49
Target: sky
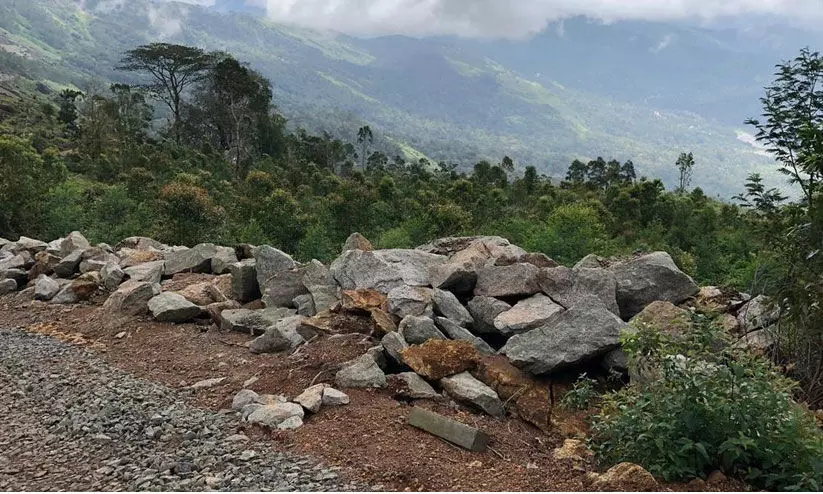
x,y
514,18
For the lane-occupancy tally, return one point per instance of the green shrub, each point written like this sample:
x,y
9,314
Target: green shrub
x,y
707,410
582,395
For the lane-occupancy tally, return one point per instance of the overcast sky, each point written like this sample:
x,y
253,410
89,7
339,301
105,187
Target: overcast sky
x,y
513,18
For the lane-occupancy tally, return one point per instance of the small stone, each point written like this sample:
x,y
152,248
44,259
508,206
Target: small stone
x,y
207,383
333,397
120,335
311,398
243,398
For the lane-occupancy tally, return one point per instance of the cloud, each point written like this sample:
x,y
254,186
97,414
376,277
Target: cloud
x,y
513,18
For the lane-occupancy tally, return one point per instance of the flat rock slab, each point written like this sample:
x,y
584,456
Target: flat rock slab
x,y
460,434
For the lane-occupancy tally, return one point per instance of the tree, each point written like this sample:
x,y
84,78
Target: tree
x,y
627,173
792,128
174,69
577,173
685,164
365,138
68,108
507,165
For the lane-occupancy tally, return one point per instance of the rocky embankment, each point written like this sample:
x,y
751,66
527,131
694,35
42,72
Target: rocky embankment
x,y
475,320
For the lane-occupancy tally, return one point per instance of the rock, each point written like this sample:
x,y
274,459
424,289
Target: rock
x,y
282,336
290,423
484,310
244,284
94,258
44,263
130,258
447,305
111,276
244,397
311,398
65,296
592,261
214,310
7,286
333,397
529,399
716,477
18,275
457,332
283,286
417,330
132,297
648,278
393,344
384,270
194,260
85,285
362,372
665,317
460,434
321,285
580,286
45,288
410,301
453,276
526,315
18,261
140,243
466,389
207,383
223,258
202,294
410,385
383,323
437,359
574,450
625,477
253,322
758,313
173,307
73,242
151,272
269,261
616,360
760,341
729,323
515,280
357,242
69,264
273,415
305,305
30,245
568,338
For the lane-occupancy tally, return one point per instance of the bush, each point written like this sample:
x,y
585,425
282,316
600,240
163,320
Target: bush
x,y
582,394
710,410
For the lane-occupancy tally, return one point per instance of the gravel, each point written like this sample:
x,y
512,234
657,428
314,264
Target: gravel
x,y
69,421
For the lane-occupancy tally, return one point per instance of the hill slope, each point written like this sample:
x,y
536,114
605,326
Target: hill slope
x,y
452,100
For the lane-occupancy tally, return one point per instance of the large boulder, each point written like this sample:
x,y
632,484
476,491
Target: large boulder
x,y
140,243
72,242
223,258
407,300
648,278
437,359
321,286
278,416
579,286
172,307
132,297
45,288
419,329
244,284
465,388
195,260
19,275
44,263
393,344
282,287
94,258
69,264
111,276
30,245
528,398
568,338
85,285
758,313
282,336
665,317
269,261
18,261
206,292
457,332
362,372
411,386
384,270
477,249
447,305
759,341
457,277
129,257
254,322
526,315
484,310
7,286
514,280
151,272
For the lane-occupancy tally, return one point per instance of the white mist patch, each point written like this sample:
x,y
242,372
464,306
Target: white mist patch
x,y
752,141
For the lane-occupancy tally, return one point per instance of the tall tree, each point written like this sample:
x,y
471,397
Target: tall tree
x,y
685,166
365,139
174,69
792,125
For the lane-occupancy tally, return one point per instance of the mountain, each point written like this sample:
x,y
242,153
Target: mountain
x,y
629,90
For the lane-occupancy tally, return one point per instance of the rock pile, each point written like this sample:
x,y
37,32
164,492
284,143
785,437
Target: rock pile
x,y
475,317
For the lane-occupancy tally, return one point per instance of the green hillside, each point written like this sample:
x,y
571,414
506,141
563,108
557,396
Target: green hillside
x,y
427,97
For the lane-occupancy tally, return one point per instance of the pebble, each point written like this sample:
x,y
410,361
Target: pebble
x,y
82,425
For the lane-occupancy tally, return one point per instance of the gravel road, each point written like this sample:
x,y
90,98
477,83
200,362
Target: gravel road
x,y
68,421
